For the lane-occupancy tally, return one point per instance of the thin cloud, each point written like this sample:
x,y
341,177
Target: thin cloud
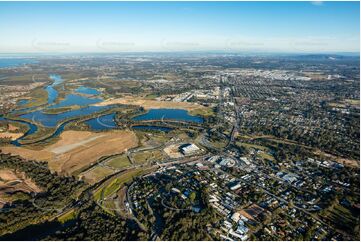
x,y
317,3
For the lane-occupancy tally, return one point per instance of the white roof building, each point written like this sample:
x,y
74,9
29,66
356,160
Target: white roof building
x,y
189,149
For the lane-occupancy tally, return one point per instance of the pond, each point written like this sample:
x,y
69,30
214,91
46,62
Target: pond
x,y
168,114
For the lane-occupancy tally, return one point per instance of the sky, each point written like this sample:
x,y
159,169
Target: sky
x,y
179,26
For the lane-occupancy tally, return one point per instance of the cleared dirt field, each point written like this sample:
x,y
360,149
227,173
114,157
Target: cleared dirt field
x,y
152,104
78,149
12,182
12,136
173,151
12,127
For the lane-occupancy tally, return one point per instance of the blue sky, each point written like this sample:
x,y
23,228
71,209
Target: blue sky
x,y
179,26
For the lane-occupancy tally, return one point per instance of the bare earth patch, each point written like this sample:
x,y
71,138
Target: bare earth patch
x,y
12,127
151,104
78,149
173,151
11,182
12,136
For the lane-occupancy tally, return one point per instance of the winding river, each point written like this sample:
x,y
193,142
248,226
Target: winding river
x,y
83,98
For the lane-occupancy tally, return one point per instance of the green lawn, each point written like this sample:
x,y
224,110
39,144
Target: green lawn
x,y
67,216
206,111
117,183
119,162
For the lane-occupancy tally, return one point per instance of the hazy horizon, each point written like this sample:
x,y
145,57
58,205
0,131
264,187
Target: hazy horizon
x,y
116,27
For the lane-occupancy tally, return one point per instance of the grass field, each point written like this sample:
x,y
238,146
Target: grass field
x,y
60,110
96,174
219,144
115,184
67,216
151,96
206,111
267,156
119,162
143,157
39,97
355,102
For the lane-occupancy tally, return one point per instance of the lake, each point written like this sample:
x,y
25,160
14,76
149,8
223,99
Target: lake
x,y
102,122
51,120
168,114
87,90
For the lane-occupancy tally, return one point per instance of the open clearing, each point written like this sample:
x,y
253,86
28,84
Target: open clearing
x,y
146,156
173,151
12,127
153,104
119,162
98,173
12,182
12,136
78,149
115,184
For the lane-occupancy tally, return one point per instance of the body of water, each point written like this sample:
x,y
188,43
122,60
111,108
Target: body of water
x,y
12,62
23,101
32,129
104,122
87,90
168,114
51,120
73,99
52,92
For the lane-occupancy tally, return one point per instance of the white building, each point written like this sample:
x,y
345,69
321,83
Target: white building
x,y
189,149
